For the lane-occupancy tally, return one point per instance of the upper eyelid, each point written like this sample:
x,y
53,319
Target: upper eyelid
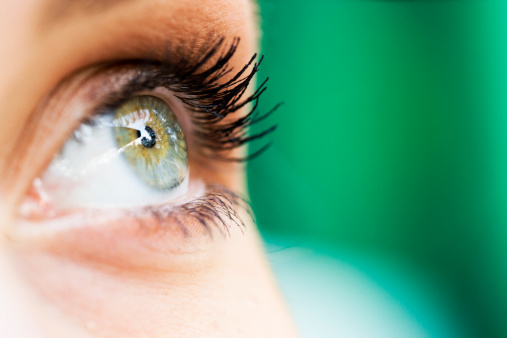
x,y
170,72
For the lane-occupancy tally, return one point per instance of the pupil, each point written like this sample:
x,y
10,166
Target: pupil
x,y
148,143
138,134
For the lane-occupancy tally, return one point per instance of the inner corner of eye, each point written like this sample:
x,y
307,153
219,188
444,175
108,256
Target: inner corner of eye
x,y
136,155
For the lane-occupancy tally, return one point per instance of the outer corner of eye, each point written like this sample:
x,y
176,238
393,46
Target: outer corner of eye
x,y
134,155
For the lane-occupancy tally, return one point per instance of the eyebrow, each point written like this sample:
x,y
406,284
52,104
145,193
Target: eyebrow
x,y
57,10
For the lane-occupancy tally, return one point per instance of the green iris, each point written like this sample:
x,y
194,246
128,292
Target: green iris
x,y
152,141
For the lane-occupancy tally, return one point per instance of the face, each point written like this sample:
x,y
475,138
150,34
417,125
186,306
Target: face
x,y
122,186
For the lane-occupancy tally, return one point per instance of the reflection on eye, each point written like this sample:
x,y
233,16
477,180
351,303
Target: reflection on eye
x,y
153,141
133,155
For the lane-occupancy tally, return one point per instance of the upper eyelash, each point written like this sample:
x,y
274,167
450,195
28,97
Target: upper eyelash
x,y
210,100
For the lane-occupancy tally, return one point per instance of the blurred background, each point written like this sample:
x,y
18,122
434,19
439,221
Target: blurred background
x,y
383,199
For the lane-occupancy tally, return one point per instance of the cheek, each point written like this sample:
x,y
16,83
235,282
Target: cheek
x,y
15,314
107,302
211,292
114,287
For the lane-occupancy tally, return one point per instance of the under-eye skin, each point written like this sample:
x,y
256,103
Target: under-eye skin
x,y
153,141
131,151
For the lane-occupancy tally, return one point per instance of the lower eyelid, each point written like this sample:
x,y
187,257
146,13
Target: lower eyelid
x,y
160,237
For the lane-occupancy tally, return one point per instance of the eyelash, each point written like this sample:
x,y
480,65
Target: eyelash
x,y
212,210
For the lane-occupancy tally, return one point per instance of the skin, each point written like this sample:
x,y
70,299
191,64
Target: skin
x,y
109,277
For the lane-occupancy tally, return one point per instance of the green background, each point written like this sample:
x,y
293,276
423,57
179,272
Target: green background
x,y
391,150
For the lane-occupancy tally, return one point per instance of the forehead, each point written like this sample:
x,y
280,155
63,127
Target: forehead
x,y
36,28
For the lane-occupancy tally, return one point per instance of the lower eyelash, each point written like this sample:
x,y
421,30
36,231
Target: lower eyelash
x,y
218,208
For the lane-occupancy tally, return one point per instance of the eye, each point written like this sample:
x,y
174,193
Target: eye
x,y
133,155
128,159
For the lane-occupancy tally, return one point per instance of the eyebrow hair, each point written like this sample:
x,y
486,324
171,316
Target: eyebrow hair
x,y
57,10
